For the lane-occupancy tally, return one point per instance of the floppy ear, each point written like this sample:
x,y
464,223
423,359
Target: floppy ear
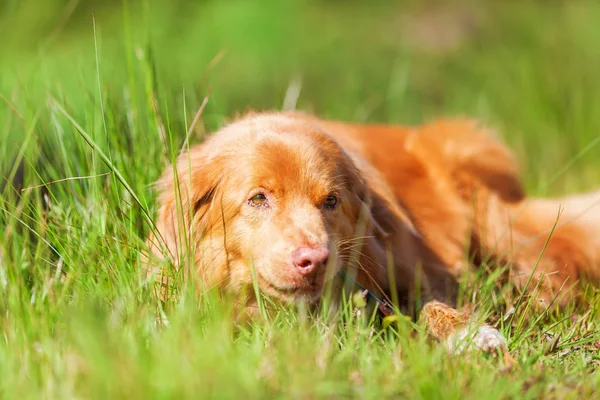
x,y
186,191
385,211
385,215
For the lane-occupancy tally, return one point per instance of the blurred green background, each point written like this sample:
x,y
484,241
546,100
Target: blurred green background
x,y
528,68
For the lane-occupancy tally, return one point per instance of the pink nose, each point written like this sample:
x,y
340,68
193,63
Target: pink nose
x,y
307,259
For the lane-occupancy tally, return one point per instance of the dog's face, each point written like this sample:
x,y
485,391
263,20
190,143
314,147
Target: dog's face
x,y
272,199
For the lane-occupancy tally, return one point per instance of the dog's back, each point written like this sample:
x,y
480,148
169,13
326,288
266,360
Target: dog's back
x,y
462,190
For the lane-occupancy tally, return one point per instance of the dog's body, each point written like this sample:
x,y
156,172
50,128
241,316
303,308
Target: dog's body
x,y
408,209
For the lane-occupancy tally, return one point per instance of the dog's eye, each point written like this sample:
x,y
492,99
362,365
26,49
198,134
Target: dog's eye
x,y
331,201
258,200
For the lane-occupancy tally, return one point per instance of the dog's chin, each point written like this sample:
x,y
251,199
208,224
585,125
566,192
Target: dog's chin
x,y
296,294
290,293
310,294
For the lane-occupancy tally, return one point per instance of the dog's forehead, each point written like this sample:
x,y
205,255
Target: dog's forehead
x,y
293,161
285,155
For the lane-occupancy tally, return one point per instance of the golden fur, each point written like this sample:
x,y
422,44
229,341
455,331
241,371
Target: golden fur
x,y
417,208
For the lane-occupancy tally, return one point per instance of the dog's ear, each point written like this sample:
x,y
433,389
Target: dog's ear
x,y
383,213
379,205
186,192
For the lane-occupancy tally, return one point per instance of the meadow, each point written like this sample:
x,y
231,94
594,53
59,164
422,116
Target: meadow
x,y
96,99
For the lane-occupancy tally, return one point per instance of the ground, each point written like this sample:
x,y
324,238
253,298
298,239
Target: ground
x,y
94,108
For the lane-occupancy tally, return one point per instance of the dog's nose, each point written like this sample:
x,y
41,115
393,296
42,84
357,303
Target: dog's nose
x,y
307,259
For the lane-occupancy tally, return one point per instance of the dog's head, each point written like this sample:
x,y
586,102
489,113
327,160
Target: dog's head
x,y
269,198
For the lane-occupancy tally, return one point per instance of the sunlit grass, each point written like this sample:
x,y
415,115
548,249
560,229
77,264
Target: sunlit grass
x,y
94,121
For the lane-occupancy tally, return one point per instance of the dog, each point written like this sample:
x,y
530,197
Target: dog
x,y
288,201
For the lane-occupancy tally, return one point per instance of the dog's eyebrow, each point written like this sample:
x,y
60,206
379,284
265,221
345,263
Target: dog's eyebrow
x,y
335,188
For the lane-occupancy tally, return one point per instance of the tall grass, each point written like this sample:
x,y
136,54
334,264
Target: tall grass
x,y
95,108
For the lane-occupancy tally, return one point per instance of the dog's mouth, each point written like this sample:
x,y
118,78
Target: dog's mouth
x,y
306,290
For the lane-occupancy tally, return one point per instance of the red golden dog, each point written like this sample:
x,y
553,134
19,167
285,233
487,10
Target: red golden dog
x,y
289,200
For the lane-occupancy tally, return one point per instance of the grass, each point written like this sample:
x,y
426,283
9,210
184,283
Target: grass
x,y
77,319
